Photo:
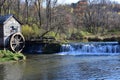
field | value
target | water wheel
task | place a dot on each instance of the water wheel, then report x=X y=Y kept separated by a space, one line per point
x=17 y=42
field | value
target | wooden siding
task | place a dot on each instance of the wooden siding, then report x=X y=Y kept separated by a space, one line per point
x=1 y=36
x=1 y=31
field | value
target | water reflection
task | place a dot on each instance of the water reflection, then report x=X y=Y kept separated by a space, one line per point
x=12 y=71
x=72 y=68
x=52 y=68
x=56 y=67
x=1 y=72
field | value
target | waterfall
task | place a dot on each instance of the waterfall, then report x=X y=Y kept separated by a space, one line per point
x=91 y=48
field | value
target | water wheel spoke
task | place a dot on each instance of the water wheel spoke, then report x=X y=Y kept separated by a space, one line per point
x=13 y=43
x=17 y=48
x=21 y=42
x=14 y=46
x=20 y=39
x=16 y=37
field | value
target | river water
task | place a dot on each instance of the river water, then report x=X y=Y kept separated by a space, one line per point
x=86 y=61
x=62 y=67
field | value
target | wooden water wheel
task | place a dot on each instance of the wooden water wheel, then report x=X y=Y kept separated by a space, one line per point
x=17 y=42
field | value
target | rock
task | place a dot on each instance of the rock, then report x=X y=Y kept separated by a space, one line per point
x=95 y=39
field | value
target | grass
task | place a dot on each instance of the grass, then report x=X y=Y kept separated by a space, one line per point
x=6 y=55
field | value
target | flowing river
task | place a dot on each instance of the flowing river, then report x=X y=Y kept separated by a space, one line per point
x=74 y=62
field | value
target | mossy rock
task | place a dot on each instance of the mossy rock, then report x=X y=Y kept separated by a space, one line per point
x=95 y=39
x=110 y=39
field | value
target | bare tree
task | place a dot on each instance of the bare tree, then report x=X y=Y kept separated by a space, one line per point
x=48 y=12
x=27 y=11
x=96 y=16
x=49 y=24
x=1 y=5
x=18 y=8
x=38 y=5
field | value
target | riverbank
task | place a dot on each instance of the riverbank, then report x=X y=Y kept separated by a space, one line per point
x=8 y=56
x=96 y=38
x=104 y=38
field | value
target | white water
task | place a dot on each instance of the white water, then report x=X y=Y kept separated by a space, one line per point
x=91 y=48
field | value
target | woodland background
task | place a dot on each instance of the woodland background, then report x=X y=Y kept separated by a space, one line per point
x=47 y=18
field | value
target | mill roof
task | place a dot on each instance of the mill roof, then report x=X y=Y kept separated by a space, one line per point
x=6 y=17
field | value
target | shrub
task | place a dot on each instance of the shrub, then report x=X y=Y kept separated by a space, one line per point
x=27 y=31
x=79 y=35
x=6 y=55
x=52 y=34
x=36 y=30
